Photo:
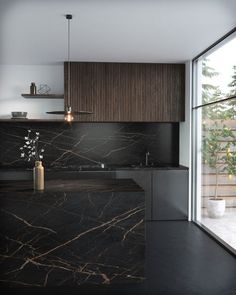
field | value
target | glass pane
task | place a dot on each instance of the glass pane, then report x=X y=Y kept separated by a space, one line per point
x=214 y=152
x=217 y=74
x=218 y=170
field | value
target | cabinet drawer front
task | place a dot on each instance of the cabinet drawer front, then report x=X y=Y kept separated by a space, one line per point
x=170 y=195
x=143 y=179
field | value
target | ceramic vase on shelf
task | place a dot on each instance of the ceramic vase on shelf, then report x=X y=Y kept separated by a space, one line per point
x=32 y=88
x=38 y=176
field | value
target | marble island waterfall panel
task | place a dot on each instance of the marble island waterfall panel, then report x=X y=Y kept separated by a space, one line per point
x=90 y=144
x=69 y=239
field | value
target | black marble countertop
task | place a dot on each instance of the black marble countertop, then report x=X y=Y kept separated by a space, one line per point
x=82 y=172
x=99 y=168
x=75 y=185
x=73 y=233
x=150 y=167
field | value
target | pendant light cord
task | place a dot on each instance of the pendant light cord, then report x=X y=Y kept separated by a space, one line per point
x=68 y=58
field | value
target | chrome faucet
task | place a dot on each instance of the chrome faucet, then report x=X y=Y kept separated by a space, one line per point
x=146 y=158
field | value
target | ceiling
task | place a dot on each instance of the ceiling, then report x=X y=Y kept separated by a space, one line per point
x=35 y=31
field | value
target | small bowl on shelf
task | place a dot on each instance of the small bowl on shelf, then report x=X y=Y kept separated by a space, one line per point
x=19 y=115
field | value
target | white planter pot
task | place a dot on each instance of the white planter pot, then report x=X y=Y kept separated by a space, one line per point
x=216 y=208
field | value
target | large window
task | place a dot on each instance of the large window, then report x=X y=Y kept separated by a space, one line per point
x=214 y=113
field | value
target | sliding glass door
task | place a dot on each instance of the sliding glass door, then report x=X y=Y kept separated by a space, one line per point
x=214 y=144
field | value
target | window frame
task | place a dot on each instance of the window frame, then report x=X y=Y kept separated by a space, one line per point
x=196 y=139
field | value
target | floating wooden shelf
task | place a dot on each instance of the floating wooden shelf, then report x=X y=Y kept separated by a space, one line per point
x=31 y=120
x=56 y=96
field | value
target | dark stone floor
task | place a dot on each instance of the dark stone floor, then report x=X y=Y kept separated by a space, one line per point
x=181 y=260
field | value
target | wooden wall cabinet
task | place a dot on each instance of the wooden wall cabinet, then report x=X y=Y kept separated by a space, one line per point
x=127 y=92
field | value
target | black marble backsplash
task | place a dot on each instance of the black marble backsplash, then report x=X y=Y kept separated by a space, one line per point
x=71 y=146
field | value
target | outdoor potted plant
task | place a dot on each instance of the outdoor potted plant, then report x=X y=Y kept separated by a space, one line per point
x=219 y=153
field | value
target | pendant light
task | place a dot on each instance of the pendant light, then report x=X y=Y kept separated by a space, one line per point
x=69 y=115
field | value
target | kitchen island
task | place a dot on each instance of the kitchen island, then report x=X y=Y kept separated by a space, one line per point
x=74 y=232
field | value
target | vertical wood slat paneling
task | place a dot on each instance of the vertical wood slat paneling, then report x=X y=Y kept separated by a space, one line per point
x=123 y=92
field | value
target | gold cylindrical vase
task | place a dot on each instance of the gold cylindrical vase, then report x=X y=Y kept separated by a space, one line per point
x=38 y=173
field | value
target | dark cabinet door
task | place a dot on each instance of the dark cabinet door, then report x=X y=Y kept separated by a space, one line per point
x=170 y=195
x=143 y=179
x=126 y=92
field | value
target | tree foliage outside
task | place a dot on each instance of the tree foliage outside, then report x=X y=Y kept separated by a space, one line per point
x=232 y=103
x=232 y=84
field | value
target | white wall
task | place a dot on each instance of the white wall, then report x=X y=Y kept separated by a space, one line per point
x=16 y=79
x=35 y=31
x=185 y=130
x=185 y=127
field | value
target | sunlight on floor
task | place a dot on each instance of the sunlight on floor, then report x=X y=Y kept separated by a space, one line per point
x=224 y=227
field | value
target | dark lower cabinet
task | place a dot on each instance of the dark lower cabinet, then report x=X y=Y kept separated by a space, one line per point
x=143 y=179
x=170 y=195
x=166 y=192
